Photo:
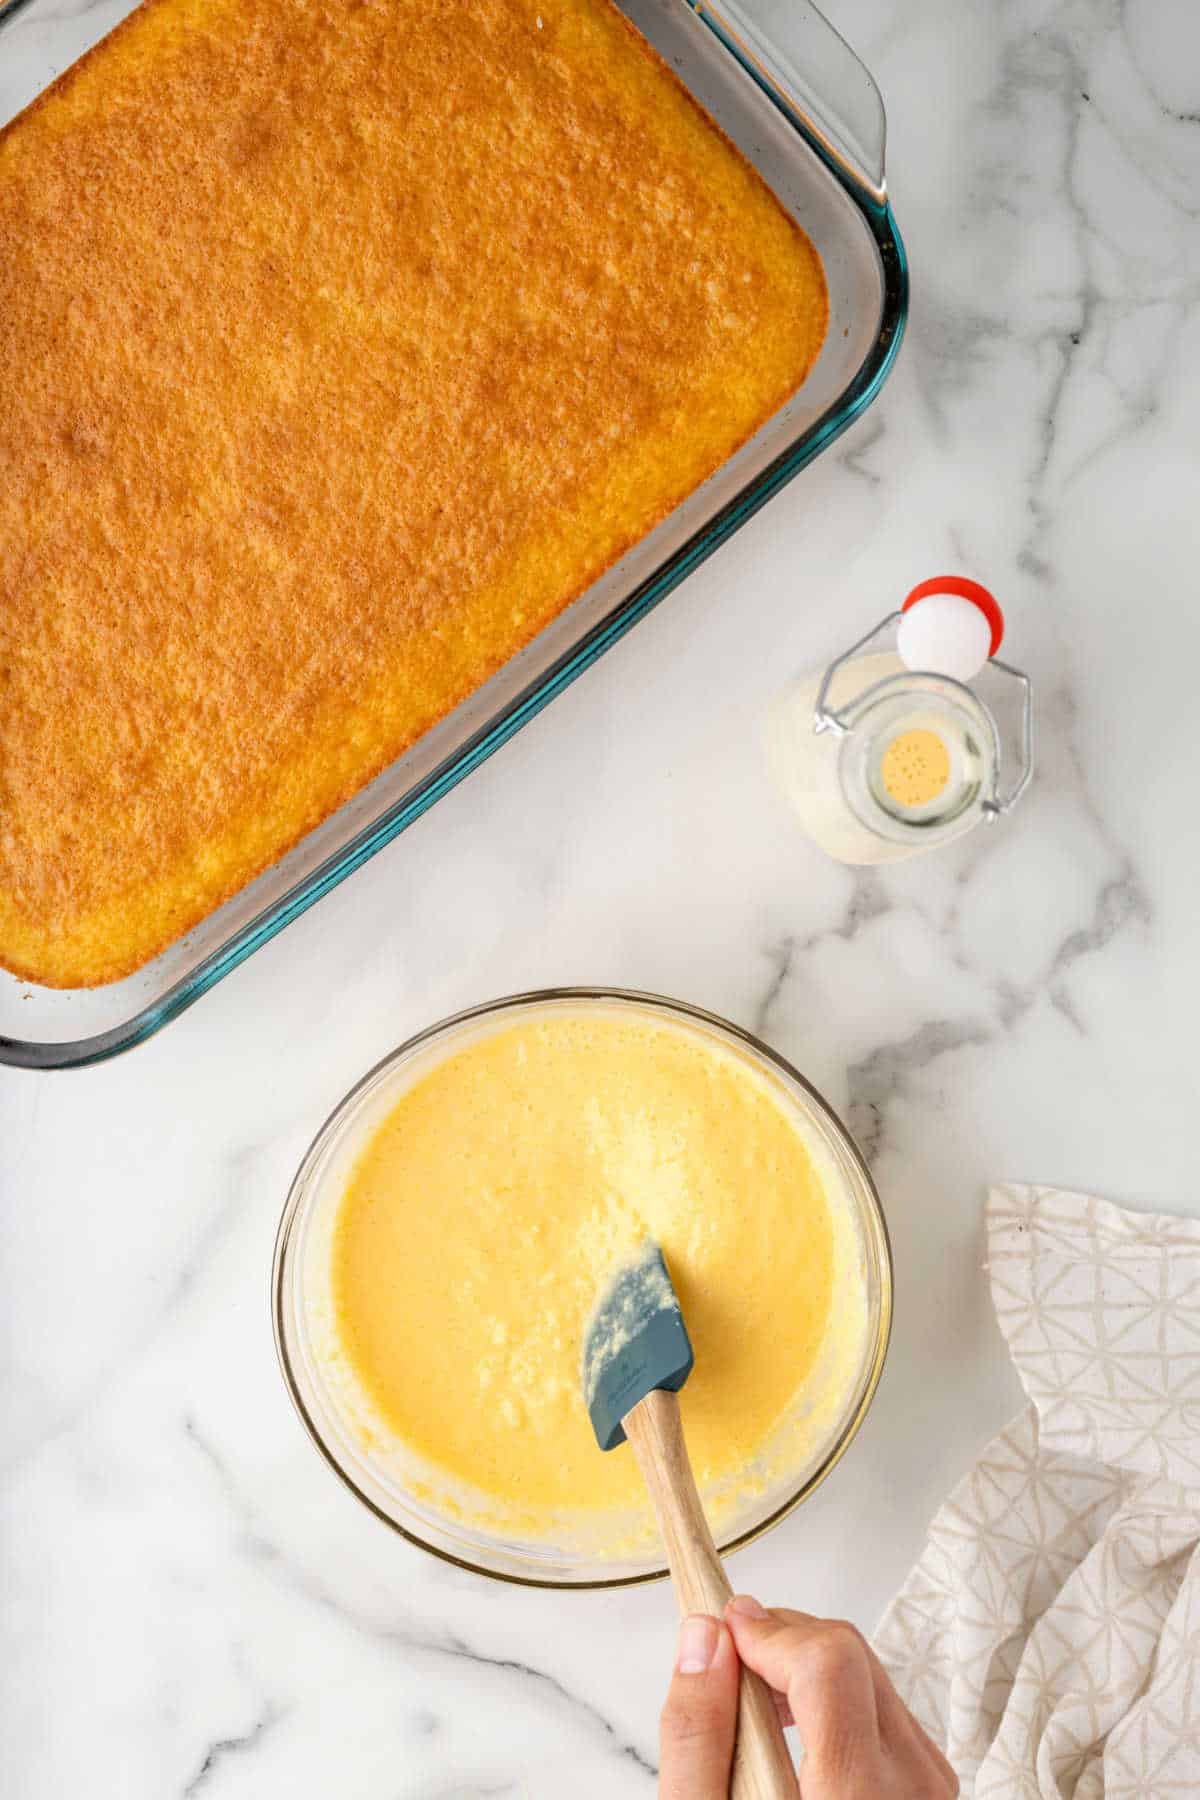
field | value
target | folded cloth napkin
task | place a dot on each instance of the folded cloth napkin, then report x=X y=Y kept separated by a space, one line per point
x=1049 y=1636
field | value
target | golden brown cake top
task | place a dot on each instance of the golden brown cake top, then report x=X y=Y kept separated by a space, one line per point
x=342 y=344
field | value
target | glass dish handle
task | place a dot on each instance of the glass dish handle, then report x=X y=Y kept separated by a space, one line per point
x=813 y=75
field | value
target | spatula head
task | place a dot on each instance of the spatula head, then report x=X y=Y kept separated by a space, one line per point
x=635 y=1341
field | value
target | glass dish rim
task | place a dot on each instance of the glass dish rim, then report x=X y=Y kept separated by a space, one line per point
x=688 y=1011
x=874 y=207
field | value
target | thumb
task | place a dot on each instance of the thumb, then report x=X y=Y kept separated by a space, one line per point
x=699 y=1720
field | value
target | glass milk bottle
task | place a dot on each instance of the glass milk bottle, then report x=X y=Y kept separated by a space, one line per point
x=889 y=751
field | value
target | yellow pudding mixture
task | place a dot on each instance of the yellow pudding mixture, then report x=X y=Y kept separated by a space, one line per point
x=915 y=767
x=485 y=1213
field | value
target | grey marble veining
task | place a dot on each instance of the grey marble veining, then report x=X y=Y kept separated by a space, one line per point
x=191 y=1603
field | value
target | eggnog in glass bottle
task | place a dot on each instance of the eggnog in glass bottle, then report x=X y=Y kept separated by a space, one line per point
x=889 y=751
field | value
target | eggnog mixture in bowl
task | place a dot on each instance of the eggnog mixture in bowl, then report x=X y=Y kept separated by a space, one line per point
x=453 y=1225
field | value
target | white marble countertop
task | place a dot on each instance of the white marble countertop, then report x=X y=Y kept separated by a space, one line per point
x=192 y=1604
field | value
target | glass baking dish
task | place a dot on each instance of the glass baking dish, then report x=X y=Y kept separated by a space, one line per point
x=812 y=123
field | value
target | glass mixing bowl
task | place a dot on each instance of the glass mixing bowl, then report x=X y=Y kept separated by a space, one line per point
x=304 y=1232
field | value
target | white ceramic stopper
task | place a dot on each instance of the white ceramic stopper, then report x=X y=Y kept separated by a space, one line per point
x=944 y=635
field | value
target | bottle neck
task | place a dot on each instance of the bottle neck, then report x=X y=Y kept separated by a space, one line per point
x=918 y=759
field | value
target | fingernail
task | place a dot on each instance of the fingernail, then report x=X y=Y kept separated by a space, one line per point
x=748 y=1606
x=697 y=1644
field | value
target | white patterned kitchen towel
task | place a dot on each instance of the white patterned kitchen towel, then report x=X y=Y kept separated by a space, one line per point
x=1050 y=1634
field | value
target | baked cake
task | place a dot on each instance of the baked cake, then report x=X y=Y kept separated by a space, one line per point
x=342 y=344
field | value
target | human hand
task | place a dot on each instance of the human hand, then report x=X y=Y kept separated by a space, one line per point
x=860 y=1740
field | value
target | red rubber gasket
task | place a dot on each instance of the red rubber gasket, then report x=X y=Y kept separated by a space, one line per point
x=965 y=589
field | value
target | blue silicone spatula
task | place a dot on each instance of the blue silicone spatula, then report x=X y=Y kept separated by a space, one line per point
x=636 y=1357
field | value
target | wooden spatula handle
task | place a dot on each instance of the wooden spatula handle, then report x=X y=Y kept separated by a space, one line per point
x=762 y=1765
